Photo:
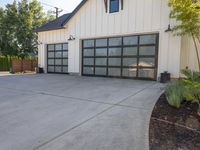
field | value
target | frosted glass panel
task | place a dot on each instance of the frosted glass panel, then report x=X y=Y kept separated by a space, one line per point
x=88 y=70
x=88 y=43
x=101 y=61
x=115 y=41
x=114 y=62
x=133 y=40
x=130 y=51
x=115 y=51
x=129 y=72
x=100 y=71
x=88 y=52
x=101 y=42
x=148 y=39
x=114 y=71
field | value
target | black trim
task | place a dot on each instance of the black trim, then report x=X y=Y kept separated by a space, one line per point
x=62 y=58
x=122 y=57
x=106 y=5
x=122 y=4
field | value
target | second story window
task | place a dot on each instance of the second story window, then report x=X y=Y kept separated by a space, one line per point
x=114 y=6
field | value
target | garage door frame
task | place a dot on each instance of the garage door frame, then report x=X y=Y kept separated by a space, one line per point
x=138 y=56
x=62 y=58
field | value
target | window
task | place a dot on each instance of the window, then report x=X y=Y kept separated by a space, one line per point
x=114 y=6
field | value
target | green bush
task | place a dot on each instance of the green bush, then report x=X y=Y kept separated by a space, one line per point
x=191 y=75
x=4 y=63
x=174 y=94
x=187 y=89
x=191 y=86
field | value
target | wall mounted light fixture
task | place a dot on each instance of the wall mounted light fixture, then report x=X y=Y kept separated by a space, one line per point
x=169 y=28
x=71 y=38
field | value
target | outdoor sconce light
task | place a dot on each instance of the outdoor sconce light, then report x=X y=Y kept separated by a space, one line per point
x=71 y=38
x=169 y=28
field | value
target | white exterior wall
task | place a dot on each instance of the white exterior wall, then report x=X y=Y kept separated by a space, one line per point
x=188 y=54
x=137 y=17
x=49 y=37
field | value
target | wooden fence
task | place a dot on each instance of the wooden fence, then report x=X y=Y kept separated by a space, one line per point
x=23 y=65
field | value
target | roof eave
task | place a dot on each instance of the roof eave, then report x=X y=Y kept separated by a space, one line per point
x=44 y=30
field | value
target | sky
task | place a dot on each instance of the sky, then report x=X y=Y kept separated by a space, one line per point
x=66 y=5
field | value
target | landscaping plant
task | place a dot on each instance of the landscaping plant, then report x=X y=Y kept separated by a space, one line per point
x=191 y=75
x=191 y=86
x=174 y=94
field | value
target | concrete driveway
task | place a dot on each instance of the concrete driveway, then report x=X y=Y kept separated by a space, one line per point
x=61 y=112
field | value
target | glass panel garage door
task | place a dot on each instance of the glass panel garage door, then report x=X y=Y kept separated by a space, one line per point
x=57 y=58
x=126 y=57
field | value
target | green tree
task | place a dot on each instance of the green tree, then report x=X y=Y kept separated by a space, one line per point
x=9 y=44
x=187 y=13
x=31 y=16
x=1 y=29
x=24 y=33
x=50 y=16
x=38 y=19
x=17 y=24
x=37 y=14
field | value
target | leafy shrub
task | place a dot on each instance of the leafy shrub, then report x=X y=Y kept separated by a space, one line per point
x=191 y=75
x=174 y=94
x=187 y=89
x=4 y=63
x=191 y=86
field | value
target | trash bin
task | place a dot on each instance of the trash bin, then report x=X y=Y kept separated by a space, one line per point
x=40 y=70
x=165 y=77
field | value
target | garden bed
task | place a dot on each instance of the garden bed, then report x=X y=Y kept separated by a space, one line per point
x=174 y=129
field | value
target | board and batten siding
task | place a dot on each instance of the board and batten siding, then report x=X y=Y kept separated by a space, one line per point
x=49 y=37
x=188 y=54
x=137 y=17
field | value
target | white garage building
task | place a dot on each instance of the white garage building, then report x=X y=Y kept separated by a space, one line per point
x=114 y=38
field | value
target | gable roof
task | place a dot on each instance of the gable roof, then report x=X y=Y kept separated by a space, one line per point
x=75 y=11
x=61 y=21
x=53 y=25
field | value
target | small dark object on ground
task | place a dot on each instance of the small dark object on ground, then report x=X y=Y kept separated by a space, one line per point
x=40 y=70
x=174 y=129
x=165 y=77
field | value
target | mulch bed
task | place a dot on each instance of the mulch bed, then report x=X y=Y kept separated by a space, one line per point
x=174 y=129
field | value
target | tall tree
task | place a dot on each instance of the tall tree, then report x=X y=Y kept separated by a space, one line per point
x=38 y=18
x=24 y=33
x=50 y=16
x=37 y=14
x=9 y=44
x=17 y=24
x=31 y=16
x=187 y=13
x=1 y=29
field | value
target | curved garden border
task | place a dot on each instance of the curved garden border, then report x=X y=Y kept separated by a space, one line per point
x=174 y=129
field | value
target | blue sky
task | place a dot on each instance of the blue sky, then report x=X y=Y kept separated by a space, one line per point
x=67 y=5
